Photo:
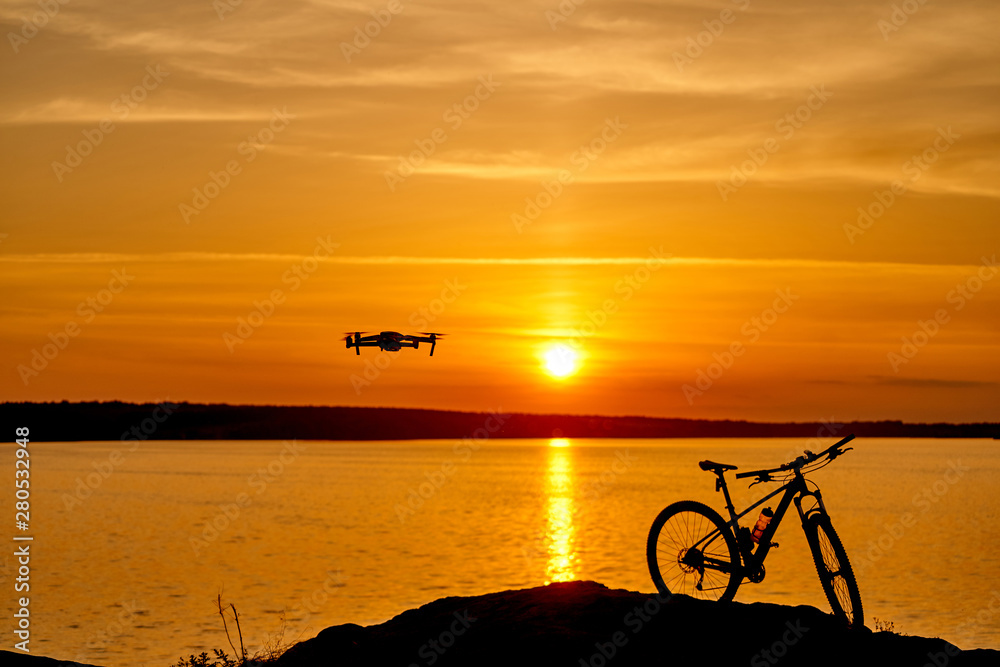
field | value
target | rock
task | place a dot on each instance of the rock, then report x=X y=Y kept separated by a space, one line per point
x=583 y=623
x=18 y=659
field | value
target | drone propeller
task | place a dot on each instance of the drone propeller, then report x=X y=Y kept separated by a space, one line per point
x=354 y=341
x=434 y=337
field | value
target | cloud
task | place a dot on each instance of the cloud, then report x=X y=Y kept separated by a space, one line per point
x=376 y=260
x=932 y=383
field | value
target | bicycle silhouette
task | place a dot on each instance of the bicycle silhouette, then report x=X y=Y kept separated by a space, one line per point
x=692 y=550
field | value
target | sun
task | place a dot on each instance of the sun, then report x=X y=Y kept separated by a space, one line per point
x=561 y=361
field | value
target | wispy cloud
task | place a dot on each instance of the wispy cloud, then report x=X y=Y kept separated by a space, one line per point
x=933 y=383
x=376 y=260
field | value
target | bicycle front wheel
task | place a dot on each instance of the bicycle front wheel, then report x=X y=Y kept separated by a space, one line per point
x=835 y=572
x=691 y=550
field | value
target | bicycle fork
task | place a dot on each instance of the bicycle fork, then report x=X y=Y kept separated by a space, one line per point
x=819 y=507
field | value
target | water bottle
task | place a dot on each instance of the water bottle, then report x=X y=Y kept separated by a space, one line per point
x=765 y=518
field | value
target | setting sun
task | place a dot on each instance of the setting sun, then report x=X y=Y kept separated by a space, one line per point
x=560 y=361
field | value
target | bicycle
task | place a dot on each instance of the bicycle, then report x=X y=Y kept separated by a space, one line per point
x=694 y=550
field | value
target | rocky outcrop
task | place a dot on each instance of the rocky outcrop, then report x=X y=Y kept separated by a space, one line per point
x=585 y=624
x=582 y=623
x=18 y=659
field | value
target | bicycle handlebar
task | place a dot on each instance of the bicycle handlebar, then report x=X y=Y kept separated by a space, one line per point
x=833 y=451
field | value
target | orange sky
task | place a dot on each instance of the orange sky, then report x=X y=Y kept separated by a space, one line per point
x=640 y=182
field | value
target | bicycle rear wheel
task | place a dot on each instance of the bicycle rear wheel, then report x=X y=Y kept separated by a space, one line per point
x=691 y=550
x=835 y=572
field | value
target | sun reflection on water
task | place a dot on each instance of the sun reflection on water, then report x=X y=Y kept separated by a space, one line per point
x=561 y=534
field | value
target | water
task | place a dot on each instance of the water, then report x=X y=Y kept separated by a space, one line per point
x=323 y=533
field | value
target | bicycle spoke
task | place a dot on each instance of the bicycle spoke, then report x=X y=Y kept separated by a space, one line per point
x=690 y=552
x=674 y=540
x=832 y=575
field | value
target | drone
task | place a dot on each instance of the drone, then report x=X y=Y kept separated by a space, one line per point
x=390 y=341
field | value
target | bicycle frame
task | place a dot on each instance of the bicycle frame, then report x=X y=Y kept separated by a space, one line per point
x=794 y=490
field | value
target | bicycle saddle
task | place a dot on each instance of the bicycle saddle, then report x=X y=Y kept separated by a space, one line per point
x=715 y=467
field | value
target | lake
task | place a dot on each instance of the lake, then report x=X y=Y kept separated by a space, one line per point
x=132 y=546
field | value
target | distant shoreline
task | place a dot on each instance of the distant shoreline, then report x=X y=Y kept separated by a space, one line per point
x=87 y=421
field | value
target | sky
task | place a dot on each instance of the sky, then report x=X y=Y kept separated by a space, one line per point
x=749 y=210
